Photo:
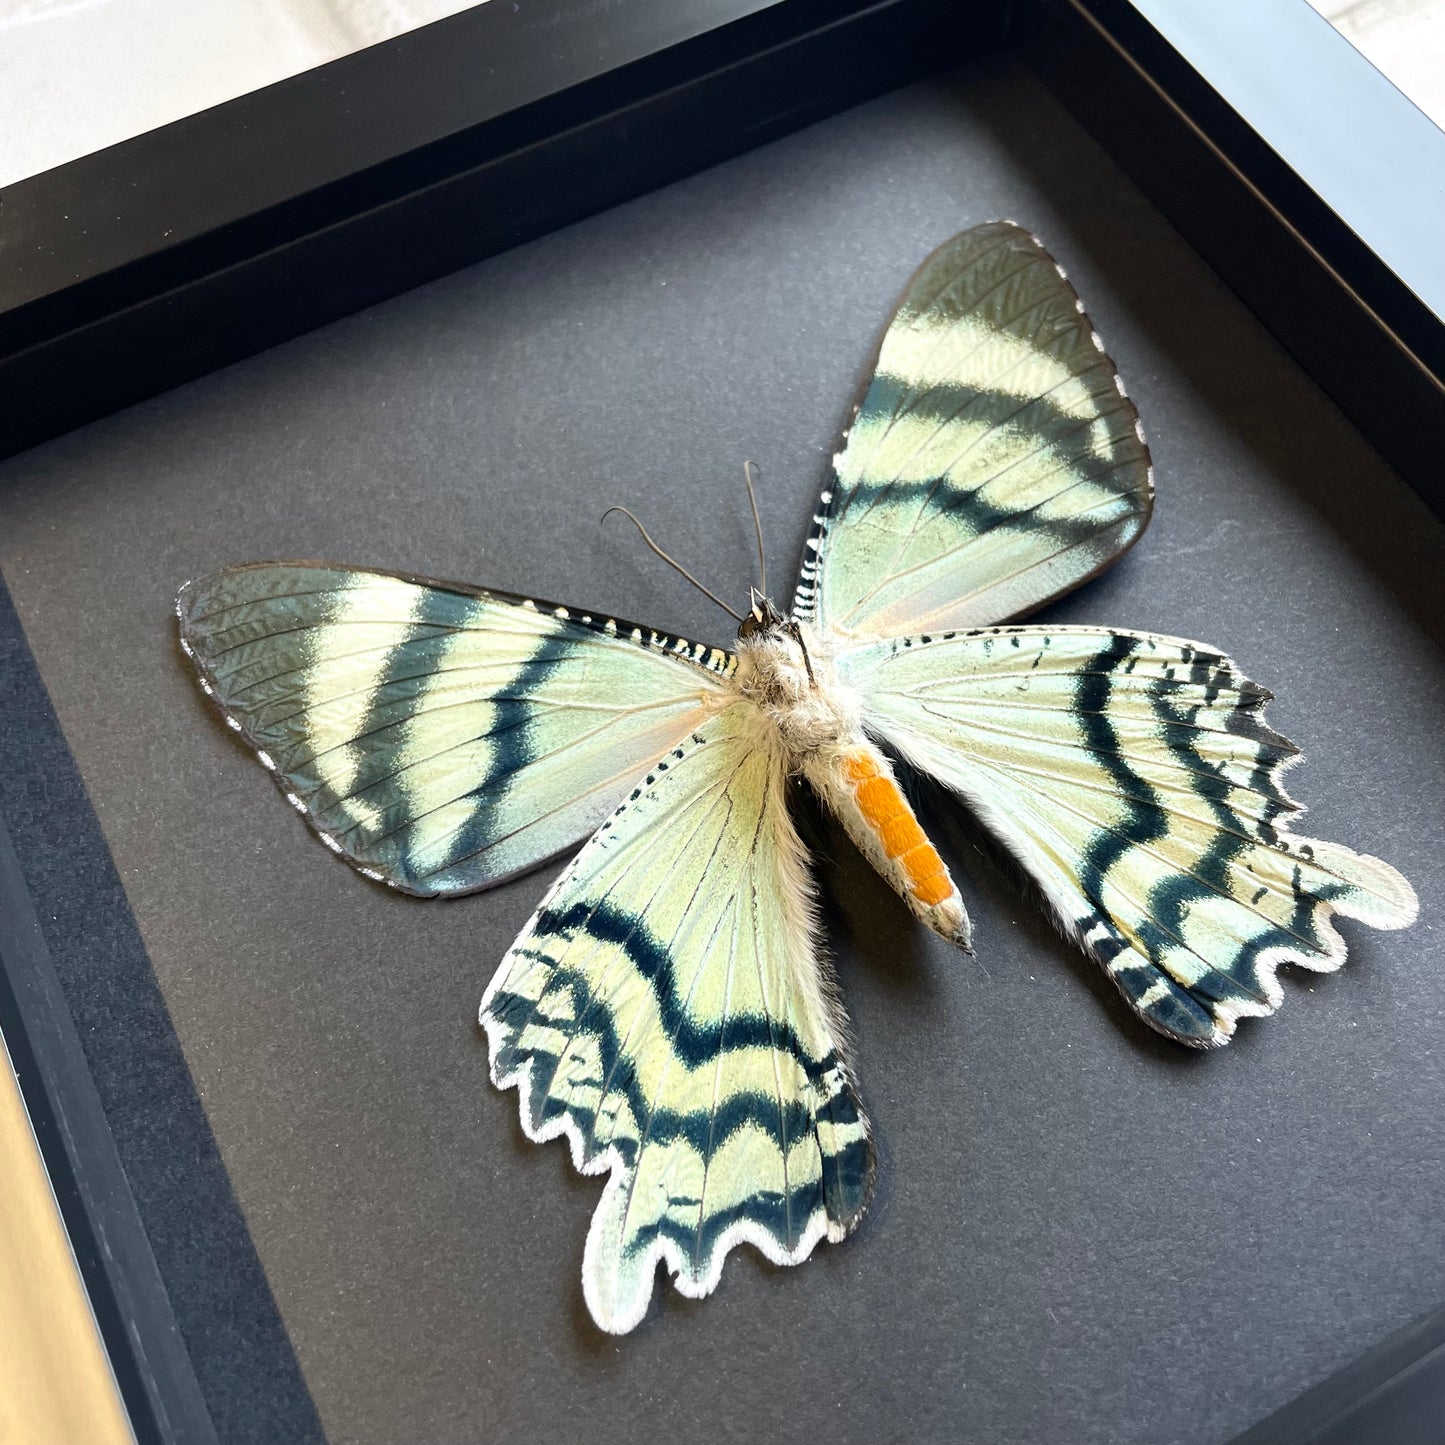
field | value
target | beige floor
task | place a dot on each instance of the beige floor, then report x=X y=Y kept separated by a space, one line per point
x=79 y=75
x=55 y=1382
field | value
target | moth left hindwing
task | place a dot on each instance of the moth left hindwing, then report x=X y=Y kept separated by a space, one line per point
x=666 y=1011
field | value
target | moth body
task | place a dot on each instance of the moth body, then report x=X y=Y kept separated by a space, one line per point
x=806 y=713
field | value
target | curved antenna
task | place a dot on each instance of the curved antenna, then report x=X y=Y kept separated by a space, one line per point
x=748 y=469
x=673 y=562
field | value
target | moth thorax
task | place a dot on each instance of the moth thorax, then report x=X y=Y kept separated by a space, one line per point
x=795 y=690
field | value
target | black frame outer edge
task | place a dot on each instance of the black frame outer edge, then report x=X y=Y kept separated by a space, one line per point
x=1289 y=256
x=285 y=236
x=164 y=257
x=148 y=1357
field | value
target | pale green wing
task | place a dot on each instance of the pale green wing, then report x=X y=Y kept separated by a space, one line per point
x=667 y=1012
x=439 y=737
x=994 y=461
x=1135 y=780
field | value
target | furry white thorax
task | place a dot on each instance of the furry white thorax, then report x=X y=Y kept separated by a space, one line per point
x=800 y=695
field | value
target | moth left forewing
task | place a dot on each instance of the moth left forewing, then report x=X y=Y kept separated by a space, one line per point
x=666 y=1011
x=438 y=737
x=1134 y=778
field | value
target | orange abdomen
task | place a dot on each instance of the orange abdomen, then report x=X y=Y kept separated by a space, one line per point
x=887 y=813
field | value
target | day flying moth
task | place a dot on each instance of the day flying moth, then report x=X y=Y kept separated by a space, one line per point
x=667 y=1009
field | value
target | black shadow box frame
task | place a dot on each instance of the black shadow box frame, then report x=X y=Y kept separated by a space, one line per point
x=280 y=211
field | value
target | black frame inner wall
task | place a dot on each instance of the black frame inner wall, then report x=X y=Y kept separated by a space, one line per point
x=91 y=1041
x=1365 y=331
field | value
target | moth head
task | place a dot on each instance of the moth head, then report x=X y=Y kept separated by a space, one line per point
x=766 y=632
x=763 y=618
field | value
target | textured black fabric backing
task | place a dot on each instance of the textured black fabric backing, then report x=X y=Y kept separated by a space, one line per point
x=1081 y=1231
